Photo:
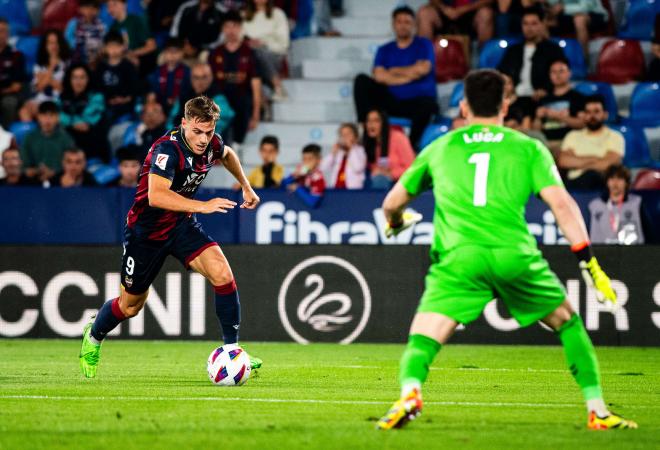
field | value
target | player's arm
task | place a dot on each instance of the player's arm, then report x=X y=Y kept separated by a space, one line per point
x=233 y=165
x=160 y=196
x=570 y=221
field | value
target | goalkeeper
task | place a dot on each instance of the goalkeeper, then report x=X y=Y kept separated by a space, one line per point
x=481 y=176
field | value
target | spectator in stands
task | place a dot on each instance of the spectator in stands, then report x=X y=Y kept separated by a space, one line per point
x=197 y=22
x=135 y=29
x=560 y=110
x=81 y=111
x=234 y=65
x=129 y=166
x=202 y=84
x=48 y=72
x=12 y=77
x=85 y=34
x=43 y=147
x=507 y=19
x=12 y=167
x=307 y=181
x=7 y=141
x=171 y=80
x=616 y=216
x=528 y=63
x=461 y=17
x=150 y=128
x=388 y=149
x=117 y=79
x=267 y=31
x=323 y=18
x=579 y=16
x=404 y=81
x=346 y=165
x=521 y=109
x=161 y=16
x=653 y=72
x=74 y=171
x=231 y=5
x=270 y=173
x=588 y=152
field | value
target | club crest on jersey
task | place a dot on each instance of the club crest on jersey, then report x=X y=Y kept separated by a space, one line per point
x=483 y=137
x=161 y=161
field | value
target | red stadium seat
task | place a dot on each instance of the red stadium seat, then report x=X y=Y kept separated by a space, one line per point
x=647 y=179
x=450 y=62
x=620 y=61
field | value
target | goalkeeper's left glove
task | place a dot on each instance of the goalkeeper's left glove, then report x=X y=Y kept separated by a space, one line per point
x=408 y=219
x=593 y=275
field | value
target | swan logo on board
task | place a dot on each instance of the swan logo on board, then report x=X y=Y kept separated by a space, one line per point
x=324 y=299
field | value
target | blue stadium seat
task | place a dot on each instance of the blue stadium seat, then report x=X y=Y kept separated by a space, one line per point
x=434 y=131
x=644 y=105
x=456 y=95
x=16 y=13
x=20 y=129
x=638 y=21
x=637 y=152
x=605 y=90
x=130 y=134
x=493 y=51
x=402 y=122
x=573 y=52
x=29 y=46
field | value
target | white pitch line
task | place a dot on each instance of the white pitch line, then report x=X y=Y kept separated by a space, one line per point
x=282 y=400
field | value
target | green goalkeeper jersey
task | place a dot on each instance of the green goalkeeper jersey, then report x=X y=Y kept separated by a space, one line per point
x=482 y=177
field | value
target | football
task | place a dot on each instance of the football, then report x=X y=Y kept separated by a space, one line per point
x=229 y=365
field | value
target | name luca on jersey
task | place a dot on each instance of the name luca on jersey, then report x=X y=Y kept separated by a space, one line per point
x=483 y=137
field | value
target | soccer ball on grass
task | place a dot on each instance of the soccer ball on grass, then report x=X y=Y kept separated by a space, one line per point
x=229 y=365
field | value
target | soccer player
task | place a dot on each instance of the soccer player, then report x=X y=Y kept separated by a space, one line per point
x=161 y=222
x=482 y=176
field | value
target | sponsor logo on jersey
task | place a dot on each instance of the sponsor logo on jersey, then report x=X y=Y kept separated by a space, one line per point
x=324 y=298
x=161 y=161
x=192 y=182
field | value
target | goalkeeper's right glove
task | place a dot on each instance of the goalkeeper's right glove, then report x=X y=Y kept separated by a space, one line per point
x=408 y=219
x=593 y=275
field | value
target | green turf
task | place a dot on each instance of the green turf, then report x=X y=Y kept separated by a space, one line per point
x=157 y=395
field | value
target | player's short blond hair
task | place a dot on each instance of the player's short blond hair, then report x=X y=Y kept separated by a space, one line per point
x=202 y=108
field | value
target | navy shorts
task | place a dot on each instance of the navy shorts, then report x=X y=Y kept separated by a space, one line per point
x=143 y=258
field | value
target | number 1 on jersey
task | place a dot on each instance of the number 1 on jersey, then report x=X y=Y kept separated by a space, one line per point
x=481 y=160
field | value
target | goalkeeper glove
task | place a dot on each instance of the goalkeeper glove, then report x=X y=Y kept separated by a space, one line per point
x=408 y=219
x=593 y=275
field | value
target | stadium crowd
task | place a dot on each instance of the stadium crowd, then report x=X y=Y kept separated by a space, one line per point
x=108 y=78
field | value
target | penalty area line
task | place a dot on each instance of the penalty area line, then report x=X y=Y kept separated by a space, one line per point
x=282 y=400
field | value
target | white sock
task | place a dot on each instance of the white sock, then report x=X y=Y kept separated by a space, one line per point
x=408 y=386
x=93 y=340
x=598 y=405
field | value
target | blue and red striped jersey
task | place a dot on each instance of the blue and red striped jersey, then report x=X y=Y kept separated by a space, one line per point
x=171 y=158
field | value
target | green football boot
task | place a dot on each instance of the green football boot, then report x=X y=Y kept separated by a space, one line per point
x=89 y=354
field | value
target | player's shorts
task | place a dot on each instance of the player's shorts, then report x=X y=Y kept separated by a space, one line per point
x=143 y=258
x=468 y=277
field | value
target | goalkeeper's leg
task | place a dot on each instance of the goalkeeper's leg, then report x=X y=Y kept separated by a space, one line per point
x=583 y=364
x=427 y=334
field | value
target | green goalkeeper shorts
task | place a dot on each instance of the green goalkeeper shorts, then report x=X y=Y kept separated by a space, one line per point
x=468 y=277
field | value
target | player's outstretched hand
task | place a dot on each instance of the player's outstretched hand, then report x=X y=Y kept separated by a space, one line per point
x=221 y=205
x=596 y=278
x=250 y=198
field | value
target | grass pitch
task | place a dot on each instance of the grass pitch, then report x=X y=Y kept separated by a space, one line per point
x=157 y=395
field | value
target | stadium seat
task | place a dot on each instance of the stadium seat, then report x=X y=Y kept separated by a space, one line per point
x=434 y=131
x=620 y=61
x=637 y=152
x=493 y=51
x=573 y=52
x=647 y=179
x=645 y=105
x=57 y=13
x=18 y=18
x=606 y=91
x=638 y=20
x=130 y=134
x=450 y=63
x=29 y=46
x=456 y=95
x=20 y=129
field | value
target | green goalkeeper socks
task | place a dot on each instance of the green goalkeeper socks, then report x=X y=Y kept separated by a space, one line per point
x=417 y=358
x=581 y=357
